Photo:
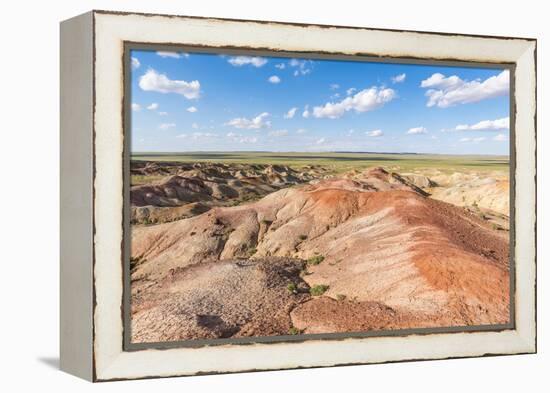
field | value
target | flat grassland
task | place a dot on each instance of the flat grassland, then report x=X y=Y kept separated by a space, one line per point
x=340 y=162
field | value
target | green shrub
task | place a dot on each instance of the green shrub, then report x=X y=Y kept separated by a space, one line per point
x=292 y=287
x=294 y=331
x=340 y=297
x=318 y=290
x=251 y=251
x=317 y=259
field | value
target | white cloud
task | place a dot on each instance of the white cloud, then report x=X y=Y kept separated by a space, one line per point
x=195 y=126
x=301 y=131
x=374 y=133
x=181 y=136
x=135 y=63
x=399 y=78
x=475 y=140
x=279 y=133
x=136 y=107
x=274 y=79
x=165 y=126
x=163 y=113
x=321 y=141
x=239 y=61
x=417 y=130
x=334 y=86
x=306 y=112
x=351 y=132
x=445 y=92
x=364 y=101
x=241 y=139
x=351 y=90
x=153 y=81
x=500 y=138
x=301 y=66
x=280 y=66
x=192 y=109
x=290 y=114
x=250 y=124
x=153 y=106
x=486 y=125
x=198 y=135
x=174 y=55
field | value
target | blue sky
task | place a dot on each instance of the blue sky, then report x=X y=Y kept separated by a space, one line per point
x=209 y=102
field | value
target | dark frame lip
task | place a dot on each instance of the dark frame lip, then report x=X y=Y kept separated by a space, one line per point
x=129 y=346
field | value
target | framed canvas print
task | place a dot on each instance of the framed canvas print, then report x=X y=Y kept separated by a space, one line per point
x=246 y=195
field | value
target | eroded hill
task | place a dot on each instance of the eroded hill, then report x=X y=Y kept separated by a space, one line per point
x=351 y=253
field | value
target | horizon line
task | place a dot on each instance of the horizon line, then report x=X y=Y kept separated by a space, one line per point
x=309 y=152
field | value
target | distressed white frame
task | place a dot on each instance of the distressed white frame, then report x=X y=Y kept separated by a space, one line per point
x=112 y=30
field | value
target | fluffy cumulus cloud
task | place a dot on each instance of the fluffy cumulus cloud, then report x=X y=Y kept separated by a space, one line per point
x=363 y=101
x=474 y=140
x=136 y=107
x=154 y=106
x=173 y=55
x=302 y=67
x=160 y=83
x=399 y=78
x=320 y=141
x=239 y=138
x=135 y=63
x=417 y=130
x=306 y=112
x=200 y=135
x=351 y=90
x=291 y=112
x=239 y=61
x=192 y=109
x=274 y=79
x=255 y=123
x=279 y=133
x=374 y=133
x=280 y=66
x=165 y=126
x=445 y=92
x=486 y=125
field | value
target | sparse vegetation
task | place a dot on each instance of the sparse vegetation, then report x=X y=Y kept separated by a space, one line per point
x=292 y=287
x=302 y=237
x=495 y=227
x=318 y=290
x=317 y=259
x=251 y=251
x=340 y=297
x=293 y=331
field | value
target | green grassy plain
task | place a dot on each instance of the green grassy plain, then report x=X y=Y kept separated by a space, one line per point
x=341 y=162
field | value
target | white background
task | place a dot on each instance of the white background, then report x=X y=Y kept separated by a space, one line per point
x=29 y=196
